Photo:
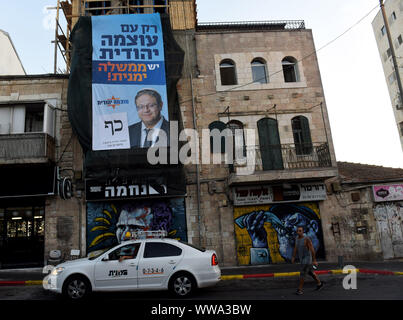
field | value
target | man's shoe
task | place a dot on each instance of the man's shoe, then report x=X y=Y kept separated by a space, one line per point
x=320 y=286
x=299 y=292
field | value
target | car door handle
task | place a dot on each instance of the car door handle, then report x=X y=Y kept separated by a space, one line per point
x=172 y=261
x=132 y=264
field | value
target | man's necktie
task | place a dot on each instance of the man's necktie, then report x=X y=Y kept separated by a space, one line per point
x=147 y=143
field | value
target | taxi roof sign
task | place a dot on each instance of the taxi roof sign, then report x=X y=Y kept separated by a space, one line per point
x=146 y=234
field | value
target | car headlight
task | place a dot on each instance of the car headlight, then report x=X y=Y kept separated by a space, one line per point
x=57 y=271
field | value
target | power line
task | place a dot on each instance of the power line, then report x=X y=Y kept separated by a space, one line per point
x=307 y=56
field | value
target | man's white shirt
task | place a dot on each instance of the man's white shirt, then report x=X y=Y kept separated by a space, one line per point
x=154 y=132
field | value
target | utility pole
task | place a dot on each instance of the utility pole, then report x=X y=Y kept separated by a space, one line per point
x=392 y=50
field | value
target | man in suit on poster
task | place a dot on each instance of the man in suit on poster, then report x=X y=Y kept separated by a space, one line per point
x=146 y=133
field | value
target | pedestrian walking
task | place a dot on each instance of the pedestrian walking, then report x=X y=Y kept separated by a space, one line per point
x=307 y=259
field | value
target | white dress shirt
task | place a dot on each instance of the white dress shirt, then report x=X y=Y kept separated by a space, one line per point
x=154 y=132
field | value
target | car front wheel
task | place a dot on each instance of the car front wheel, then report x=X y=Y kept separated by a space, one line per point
x=76 y=288
x=182 y=285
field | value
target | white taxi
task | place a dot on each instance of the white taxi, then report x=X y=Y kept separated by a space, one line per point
x=144 y=264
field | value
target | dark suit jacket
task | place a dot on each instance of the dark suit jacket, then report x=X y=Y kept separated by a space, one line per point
x=135 y=133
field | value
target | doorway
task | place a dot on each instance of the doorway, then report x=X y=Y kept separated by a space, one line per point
x=389 y=220
x=22 y=236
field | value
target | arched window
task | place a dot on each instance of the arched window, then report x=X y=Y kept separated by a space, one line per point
x=302 y=135
x=270 y=147
x=220 y=126
x=259 y=72
x=290 y=69
x=239 y=147
x=228 y=72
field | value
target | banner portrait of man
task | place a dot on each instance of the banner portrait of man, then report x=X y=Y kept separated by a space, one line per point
x=152 y=125
x=129 y=93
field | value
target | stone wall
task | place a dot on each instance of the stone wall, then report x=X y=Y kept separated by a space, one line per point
x=349 y=225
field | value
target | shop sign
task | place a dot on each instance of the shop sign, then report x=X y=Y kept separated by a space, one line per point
x=384 y=193
x=128 y=189
x=264 y=194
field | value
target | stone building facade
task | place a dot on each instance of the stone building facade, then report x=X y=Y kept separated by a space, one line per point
x=261 y=78
x=38 y=150
x=394 y=14
x=212 y=214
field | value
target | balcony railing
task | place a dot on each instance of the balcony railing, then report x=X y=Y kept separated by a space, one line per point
x=284 y=157
x=252 y=25
x=26 y=147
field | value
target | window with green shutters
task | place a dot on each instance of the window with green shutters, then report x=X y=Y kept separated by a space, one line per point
x=270 y=146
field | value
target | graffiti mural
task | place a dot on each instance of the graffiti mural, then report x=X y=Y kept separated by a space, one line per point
x=108 y=222
x=266 y=233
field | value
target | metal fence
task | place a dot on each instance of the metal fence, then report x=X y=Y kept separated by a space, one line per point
x=253 y=25
x=287 y=157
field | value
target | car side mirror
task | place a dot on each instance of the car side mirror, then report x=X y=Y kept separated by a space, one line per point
x=106 y=258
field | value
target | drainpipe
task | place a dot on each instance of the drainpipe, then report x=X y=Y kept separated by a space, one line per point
x=324 y=123
x=195 y=128
x=187 y=59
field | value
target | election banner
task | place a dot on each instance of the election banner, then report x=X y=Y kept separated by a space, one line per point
x=129 y=95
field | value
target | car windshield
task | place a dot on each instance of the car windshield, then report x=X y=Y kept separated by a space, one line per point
x=193 y=246
x=97 y=254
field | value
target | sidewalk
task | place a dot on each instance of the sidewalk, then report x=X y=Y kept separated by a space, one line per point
x=26 y=274
x=285 y=270
x=392 y=265
x=33 y=276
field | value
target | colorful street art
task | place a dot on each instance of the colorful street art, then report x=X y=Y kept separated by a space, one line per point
x=266 y=233
x=108 y=222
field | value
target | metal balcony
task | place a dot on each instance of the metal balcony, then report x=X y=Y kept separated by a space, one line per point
x=26 y=148
x=283 y=162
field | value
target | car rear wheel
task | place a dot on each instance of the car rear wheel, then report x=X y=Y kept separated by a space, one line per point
x=76 y=288
x=182 y=285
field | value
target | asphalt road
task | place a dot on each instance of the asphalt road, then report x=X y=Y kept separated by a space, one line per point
x=369 y=287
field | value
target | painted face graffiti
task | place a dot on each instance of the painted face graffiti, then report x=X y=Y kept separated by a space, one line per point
x=129 y=221
x=272 y=231
x=108 y=224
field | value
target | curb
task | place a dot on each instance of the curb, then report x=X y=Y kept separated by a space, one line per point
x=21 y=283
x=241 y=276
x=294 y=274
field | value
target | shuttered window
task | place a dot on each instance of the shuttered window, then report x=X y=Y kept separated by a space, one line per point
x=270 y=147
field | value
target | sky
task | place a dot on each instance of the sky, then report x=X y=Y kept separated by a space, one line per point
x=360 y=112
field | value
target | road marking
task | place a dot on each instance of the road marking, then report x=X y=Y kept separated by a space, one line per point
x=34 y=282
x=232 y=277
x=286 y=274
